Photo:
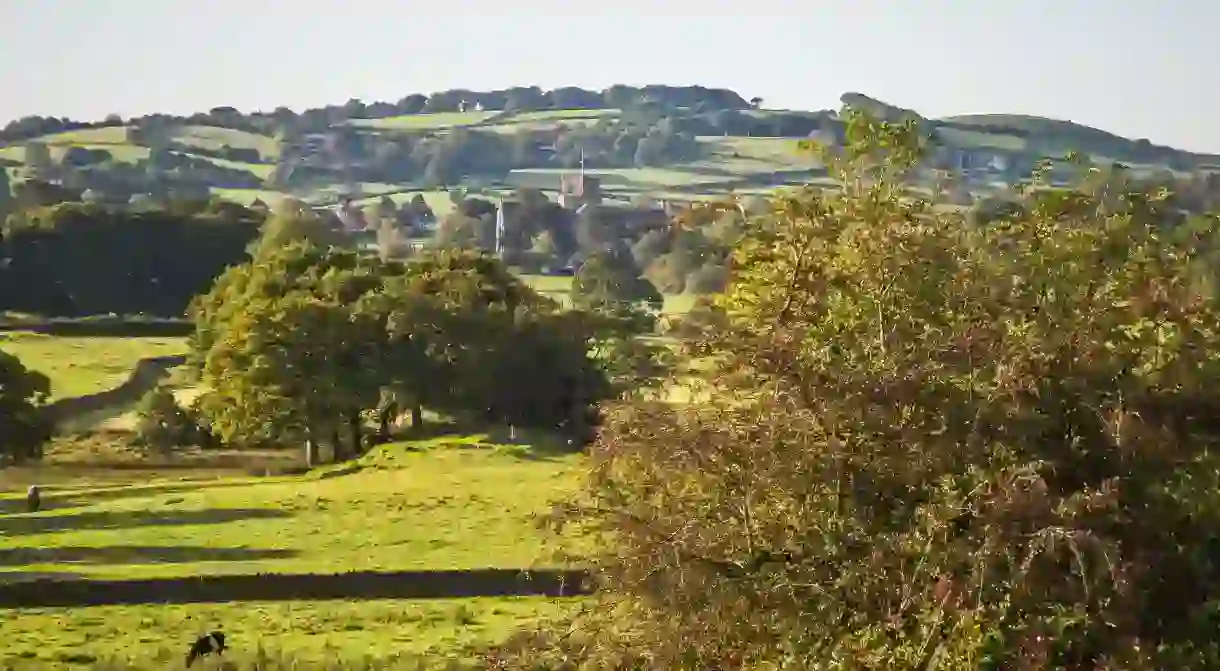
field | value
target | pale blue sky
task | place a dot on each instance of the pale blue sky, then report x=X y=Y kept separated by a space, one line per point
x=1141 y=68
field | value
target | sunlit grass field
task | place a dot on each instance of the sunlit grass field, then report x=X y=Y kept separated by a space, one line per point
x=449 y=503
x=85 y=365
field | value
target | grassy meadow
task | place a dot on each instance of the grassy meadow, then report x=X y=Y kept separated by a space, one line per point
x=113 y=511
x=445 y=503
x=213 y=138
x=437 y=121
x=86 y=365
x=449 y=503
x=343 y=633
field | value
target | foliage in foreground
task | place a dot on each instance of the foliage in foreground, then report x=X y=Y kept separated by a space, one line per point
x=930 y=445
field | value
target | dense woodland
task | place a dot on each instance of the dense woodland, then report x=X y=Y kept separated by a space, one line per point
x=77 y=260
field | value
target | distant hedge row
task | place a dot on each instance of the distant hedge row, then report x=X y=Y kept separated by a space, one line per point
x=102 y=327
x=144 y=376
x=74 y=260
x=49 y=593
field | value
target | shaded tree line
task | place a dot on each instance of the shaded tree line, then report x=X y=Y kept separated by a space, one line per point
x=74 y=259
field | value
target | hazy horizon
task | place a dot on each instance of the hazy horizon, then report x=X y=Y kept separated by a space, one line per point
x=1135 y=68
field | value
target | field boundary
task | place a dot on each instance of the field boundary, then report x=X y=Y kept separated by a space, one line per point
x=455 y=584
x=104 y=328
x=144 y=375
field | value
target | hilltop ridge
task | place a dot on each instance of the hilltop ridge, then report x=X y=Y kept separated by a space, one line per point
x=650 y=141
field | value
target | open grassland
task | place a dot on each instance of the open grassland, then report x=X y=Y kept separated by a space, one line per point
x=343 y=633
x=87 y=136
x=213 y=138
x=260 y=170
x=972 y=138
x=448 y=503
x=85 y=365
x=551 y=119
x=437 y=199
x=248 y=196
x=438 y=121
x=104 y=459
x=776 y=152
x=564 y=115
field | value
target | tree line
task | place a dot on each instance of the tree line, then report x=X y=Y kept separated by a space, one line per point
x=521 y=98
x=76 y=260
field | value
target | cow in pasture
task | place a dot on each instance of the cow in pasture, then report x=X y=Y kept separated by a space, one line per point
x=206 y=645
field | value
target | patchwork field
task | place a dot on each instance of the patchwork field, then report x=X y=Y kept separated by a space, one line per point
x=436 y=121
x=728 y=160
x=212 y=137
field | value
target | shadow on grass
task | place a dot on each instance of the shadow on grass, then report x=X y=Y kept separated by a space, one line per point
x=49 y=593
x=25 y=525
x=532 y=445
x=10 y=577
x=136 y=554
x=76 y=497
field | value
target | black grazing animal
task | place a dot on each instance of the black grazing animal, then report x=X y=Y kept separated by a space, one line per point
x=206 y=645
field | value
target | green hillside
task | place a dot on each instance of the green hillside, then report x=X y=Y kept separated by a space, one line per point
x=661 y=142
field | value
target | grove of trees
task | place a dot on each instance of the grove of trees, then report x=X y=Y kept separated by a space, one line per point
x=306 y=344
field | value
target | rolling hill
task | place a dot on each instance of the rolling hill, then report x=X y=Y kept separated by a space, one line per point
x=660 y=142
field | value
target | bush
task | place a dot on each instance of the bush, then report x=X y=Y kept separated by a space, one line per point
x=162 y=424
x=929 y=446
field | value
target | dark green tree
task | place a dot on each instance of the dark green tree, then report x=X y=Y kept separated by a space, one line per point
x=610 y=280
x=162 y=424
x=24 y=427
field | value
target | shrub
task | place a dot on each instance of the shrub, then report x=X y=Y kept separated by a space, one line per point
x=930 y=446
x=162 y=425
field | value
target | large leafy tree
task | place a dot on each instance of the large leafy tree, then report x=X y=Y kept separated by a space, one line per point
x=610 y=280
x=284 y=348
x=24 y=427
x=929 y=446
